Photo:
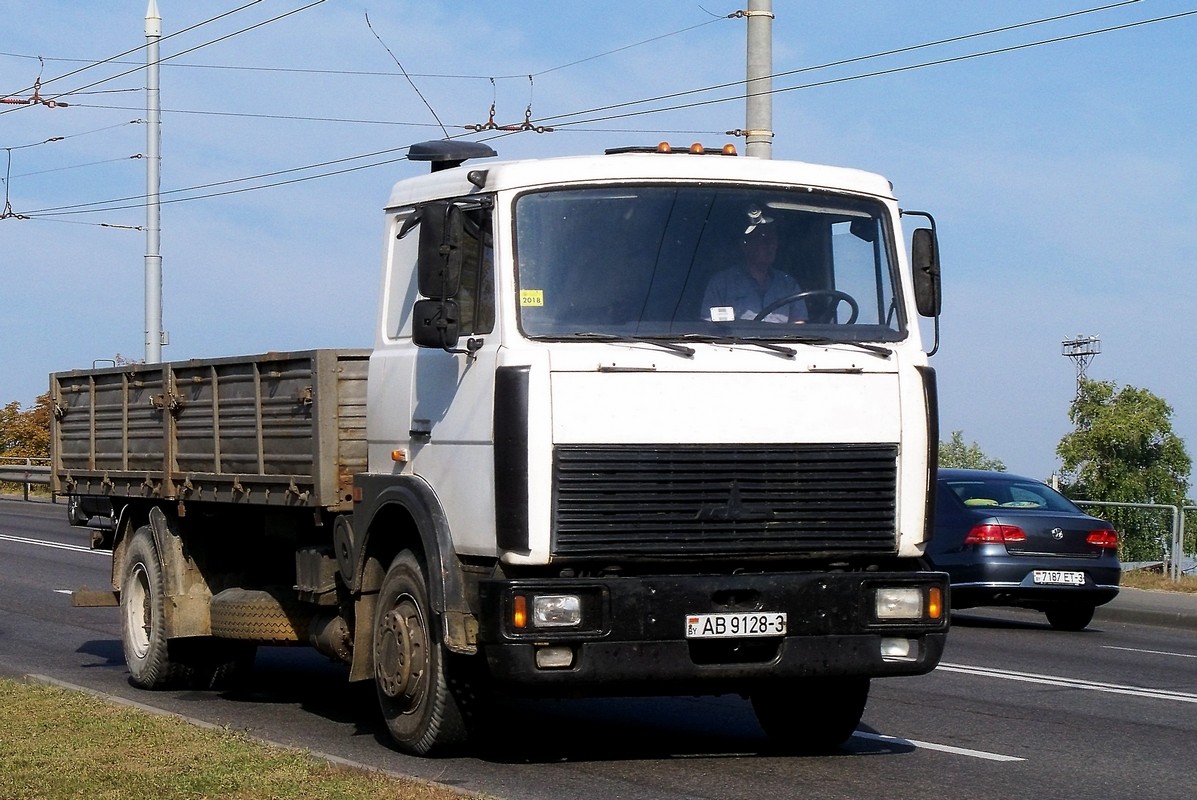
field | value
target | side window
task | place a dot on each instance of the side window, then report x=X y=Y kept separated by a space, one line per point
x=476 y=299
x=401 y=274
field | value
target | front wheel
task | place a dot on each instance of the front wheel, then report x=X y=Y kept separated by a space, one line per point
x=410 y=672
x=811 y=715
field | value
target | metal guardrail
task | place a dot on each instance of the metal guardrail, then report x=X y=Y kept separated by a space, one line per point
x=25 y=471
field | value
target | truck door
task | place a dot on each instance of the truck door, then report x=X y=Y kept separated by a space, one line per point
x=434 y=405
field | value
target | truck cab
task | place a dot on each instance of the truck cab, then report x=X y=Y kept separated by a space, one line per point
x=646 y=468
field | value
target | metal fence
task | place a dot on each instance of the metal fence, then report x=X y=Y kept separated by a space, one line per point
x=1153 y=534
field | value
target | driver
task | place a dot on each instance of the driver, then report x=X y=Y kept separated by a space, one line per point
x=743 y=291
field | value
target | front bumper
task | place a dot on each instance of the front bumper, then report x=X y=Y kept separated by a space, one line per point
x=631 y=639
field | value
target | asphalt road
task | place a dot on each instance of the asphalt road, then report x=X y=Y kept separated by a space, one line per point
x=1015 y=709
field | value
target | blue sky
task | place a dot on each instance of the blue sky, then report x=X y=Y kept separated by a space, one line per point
x=1059 y=174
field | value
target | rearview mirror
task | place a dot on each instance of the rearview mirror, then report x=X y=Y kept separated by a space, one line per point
x=924 y=255
x=441 y=233
x=435 y=324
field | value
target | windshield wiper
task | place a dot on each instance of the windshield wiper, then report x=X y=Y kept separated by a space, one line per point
x=611 y=337
x=884 y=352
x=780 y=349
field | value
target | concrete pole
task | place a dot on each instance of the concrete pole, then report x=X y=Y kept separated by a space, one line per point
x=758 y=99
x=153 y=166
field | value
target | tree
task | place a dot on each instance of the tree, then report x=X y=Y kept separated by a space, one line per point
x=1123 y=450
x=26 y=434
x=955 y=453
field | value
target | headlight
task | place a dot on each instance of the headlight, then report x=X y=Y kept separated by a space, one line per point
x=899 y=602
x=556 y=611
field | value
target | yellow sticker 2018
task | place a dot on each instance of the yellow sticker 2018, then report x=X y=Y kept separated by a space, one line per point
x=532 y=297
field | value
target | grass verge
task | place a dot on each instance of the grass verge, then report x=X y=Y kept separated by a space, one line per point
x=56 y=743
x=1147 y=579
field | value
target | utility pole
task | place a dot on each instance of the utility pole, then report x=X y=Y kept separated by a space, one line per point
x=153 y=165
x=758 y=89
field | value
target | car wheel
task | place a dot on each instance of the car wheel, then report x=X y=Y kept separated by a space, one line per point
x=75 y=514
x=1069 y=617
x=811 y=715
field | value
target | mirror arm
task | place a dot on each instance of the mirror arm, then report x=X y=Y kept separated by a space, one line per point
x=473 y=345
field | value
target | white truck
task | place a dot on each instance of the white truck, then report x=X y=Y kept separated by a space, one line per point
x=563 y=469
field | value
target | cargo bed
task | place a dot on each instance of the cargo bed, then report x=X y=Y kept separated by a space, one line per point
x=278 y=429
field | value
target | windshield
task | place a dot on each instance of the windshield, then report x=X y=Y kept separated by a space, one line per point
x=698 y=261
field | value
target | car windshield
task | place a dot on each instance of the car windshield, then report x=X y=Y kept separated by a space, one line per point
x=702 y=262
x=1006 y=493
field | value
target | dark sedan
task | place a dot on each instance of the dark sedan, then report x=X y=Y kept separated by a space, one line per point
x=1007 y=540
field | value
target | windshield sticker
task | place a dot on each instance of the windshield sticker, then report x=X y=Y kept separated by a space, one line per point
x=532 y=298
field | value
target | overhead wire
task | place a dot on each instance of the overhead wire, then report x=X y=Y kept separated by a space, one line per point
x=855 y=59
x=135 y=156
x=388 y=74
x=632 y=103
x=101 y=62
x=202 y=45
x=1053 y=40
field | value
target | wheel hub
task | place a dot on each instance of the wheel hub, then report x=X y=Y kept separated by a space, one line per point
x=399 y=658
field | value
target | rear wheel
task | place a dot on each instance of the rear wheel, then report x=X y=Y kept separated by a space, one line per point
x=143 y=626
x=75 y=514
x=410 y=665
x=156 y=662
x=214 y=663
x=1071 y=617
x=811 y=715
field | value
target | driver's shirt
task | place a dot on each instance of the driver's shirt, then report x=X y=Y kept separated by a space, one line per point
x=735 y=294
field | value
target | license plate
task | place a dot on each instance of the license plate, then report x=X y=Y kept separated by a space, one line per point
x=1053 y=576
x=735 y=626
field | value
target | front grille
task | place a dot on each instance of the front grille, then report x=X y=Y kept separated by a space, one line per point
x=724 y=499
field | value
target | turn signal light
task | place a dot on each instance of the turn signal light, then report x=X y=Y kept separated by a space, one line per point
x=519 y=612
x=993 y=533
x=1106 y=540
x=934 y=603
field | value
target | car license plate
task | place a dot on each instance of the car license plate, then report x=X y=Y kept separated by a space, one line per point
x=729 y=626
x=1053 y=576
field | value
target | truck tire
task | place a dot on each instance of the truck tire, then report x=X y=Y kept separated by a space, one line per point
x=815 y=715
x=410 y=674
x=143 y=626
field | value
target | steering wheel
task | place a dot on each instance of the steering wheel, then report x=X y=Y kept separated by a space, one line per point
x=834 y=294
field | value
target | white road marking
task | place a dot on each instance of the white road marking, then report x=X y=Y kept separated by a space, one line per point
x=1149 y=652
x=1073 y=683
x=943 y=748
x=56 y=545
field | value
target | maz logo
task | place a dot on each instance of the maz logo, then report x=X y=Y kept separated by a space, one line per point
x=735 y=509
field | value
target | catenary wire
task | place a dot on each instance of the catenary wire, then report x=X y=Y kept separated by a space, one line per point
x=81 y=207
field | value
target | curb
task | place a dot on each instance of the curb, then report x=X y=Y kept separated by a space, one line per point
x=1151 y=607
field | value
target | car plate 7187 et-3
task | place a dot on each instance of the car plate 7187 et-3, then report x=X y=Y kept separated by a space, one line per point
x=1054 y=576
x=735 y=626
